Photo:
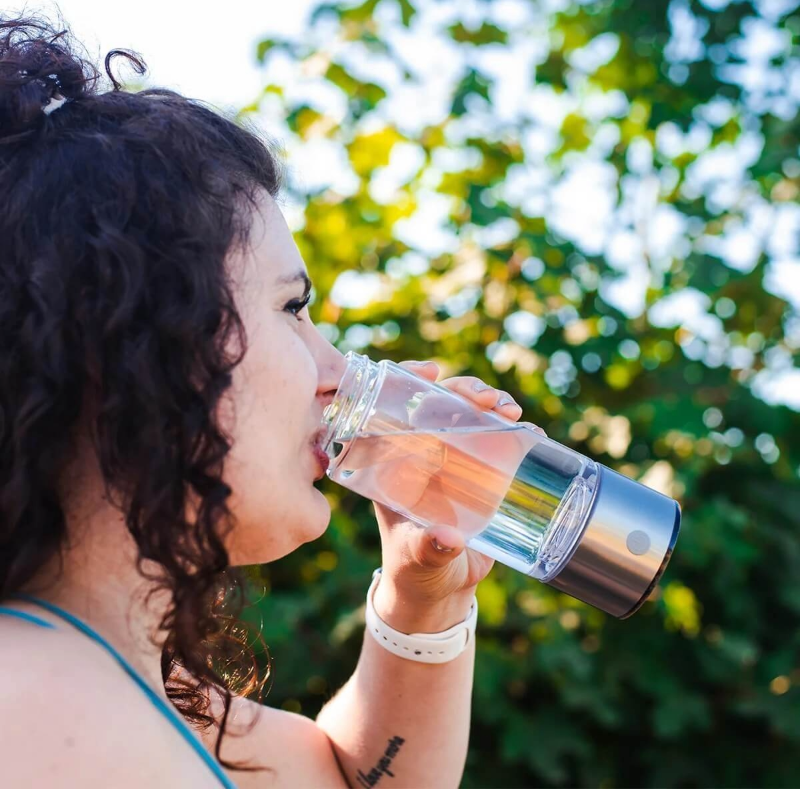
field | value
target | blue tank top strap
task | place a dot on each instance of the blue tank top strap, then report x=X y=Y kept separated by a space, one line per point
x=171 y=713
x=15 y=612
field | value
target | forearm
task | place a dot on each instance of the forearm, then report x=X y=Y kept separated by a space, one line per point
x=398 y=723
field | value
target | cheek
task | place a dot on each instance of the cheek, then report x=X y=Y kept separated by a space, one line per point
x=275 y=383
x=273 y=407
x=286 y=383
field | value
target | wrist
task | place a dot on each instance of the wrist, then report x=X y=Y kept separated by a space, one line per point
x=409 y=615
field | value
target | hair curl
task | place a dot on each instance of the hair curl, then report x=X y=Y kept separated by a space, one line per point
x=117 y=213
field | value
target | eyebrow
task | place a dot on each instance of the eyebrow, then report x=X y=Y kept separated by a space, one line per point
x=301 y=275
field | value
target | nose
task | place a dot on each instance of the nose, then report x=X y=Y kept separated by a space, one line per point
x=331 y=365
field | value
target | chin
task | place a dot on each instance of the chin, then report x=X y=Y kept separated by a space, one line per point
x=252 y=547
x=321 y=513
x=312 y=523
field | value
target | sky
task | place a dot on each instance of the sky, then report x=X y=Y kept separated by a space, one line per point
x=212 y=57
x=200 y=54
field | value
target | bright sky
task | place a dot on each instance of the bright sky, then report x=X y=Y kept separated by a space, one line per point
x=212 y=56
x=209 y=54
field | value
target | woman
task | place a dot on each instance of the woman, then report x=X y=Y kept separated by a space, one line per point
x=161 y=390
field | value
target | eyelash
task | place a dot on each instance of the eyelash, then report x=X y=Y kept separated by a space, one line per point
x=296 y=306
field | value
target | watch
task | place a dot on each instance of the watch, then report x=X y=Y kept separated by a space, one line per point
x=429 y=648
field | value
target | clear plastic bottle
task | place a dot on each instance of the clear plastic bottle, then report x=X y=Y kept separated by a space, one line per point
x=520 y=497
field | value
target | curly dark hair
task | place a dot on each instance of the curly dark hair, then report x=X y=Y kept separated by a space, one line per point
x=117 y=213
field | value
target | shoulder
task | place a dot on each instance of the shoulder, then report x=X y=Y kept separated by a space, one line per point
x=73 y=719
x=295 y=750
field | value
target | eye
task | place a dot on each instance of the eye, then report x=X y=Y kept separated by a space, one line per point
x=296 y=306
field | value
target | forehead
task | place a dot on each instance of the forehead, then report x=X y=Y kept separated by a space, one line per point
x=271 y=259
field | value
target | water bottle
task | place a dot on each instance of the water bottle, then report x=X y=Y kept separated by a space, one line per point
x=517 y=496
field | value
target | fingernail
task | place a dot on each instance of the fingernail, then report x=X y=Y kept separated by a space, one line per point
x=505 y=401
x=480 y=386
x=440 y=548
x=532 y=427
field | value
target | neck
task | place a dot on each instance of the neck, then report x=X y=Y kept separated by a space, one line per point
x=100 y=584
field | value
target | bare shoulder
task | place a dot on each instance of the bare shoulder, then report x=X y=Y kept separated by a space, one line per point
x=73 y=719
x=295 y=750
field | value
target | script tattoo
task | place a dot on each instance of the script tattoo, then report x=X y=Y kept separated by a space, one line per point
x=382 y=768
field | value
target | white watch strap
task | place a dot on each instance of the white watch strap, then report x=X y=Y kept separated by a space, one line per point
x=429 y=648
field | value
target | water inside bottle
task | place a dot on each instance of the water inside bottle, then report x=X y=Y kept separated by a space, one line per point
x=501 y=487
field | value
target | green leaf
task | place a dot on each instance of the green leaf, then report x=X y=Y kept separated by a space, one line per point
x=407 y=11
x=266 y=46
x=472 y=83
x=358 y=13
x=486 y=34
x=676 y=716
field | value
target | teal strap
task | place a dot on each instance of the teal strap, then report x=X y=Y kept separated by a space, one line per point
x=15 y=612
x=163 y=706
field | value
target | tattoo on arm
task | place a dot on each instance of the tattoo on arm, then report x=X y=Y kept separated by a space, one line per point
x=382 y=767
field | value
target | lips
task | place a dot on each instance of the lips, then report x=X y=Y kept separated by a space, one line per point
x=321 y=456
x=322 y=460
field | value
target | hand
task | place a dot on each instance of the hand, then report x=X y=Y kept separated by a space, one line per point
x=429 y=575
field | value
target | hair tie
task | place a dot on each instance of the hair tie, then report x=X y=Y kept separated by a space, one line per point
x=56 y=101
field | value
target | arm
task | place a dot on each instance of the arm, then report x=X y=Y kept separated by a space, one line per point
x=398 y=723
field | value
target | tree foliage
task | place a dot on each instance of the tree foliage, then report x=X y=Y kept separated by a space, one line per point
x=608 y=212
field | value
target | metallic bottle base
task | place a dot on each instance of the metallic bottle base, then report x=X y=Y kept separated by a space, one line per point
x=624 y=548
x=667 y=556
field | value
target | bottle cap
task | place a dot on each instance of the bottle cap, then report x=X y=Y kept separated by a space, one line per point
x=625 y=546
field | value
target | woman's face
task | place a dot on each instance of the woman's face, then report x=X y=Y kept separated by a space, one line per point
x=289 y=373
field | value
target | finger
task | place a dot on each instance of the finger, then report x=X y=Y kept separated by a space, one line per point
x=473 y=388
x=426 y=369
x=508 y=406
x=485 y=395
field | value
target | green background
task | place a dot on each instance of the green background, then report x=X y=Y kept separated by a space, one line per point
x=702 y=686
